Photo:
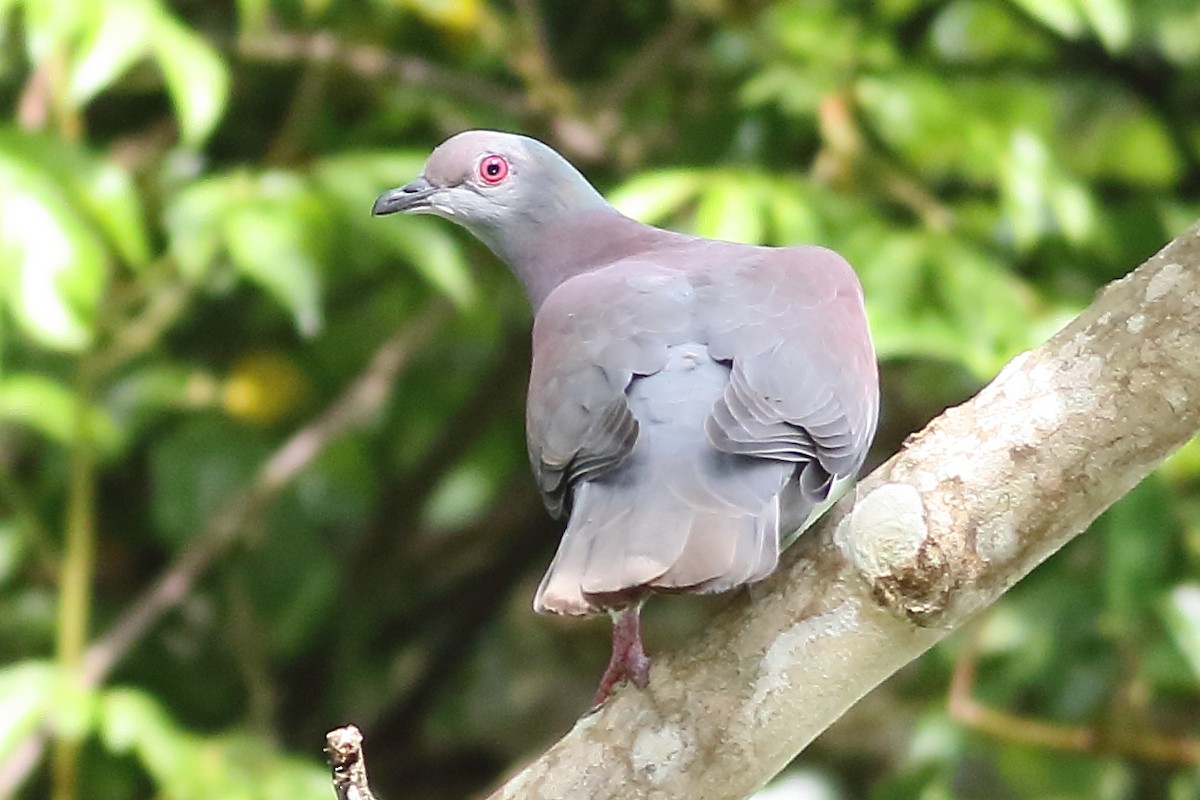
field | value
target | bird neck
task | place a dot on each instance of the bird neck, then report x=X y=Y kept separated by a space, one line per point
x=553 y=251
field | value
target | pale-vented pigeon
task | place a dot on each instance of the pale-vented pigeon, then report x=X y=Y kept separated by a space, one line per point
x=690 y=400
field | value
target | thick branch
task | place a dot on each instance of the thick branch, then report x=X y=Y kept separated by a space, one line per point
x=986 y=492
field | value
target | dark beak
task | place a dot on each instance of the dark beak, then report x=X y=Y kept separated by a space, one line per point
x=409 y=197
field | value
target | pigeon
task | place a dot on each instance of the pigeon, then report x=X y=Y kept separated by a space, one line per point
x=691 y=402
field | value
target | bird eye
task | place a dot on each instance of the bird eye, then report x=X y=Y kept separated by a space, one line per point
x=493 y=169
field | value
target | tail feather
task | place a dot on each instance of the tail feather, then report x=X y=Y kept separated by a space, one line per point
x=635 y=552
x=767 y=557
x=561 y=589
x=613 y=548
x=710 y=548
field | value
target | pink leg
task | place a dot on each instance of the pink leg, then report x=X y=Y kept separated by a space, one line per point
x=629 y=659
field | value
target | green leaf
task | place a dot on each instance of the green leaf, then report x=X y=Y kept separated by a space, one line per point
x=50 y=25
x=654 y=197
x=26 y=697
x=1023 y=189
x=731 y=209
x=52 y=266
x=821 y=35
x=1179 y=215
x=1030 y=771
x=1139 y=531
x=254 y=16
x=196 y=471
x=145 y=395
x=1181 y=612
x=73 y=714
x=793 y=218
x=267 y=244
x=788 y=86
x=923 y=299
x=13 y=553
x=100 y=186
x=1092 y=128
x=1176 y=29
x=6 y=7
x=194 y=219
x=1112 y=20
x=990 y=333
x=114 y=202
x=951 y=127
x=186 y=766
x=353 y=180
x=435 y=254
x=457 y=15
x=1109 y=134
x=197 y=78
x=122 y=35
x=1061 y=16
x=893 y=270
x=130 y=718
x=979 y=31
x=46 y=406
x=1074 y=210
x=273 y=227
x=293 y=581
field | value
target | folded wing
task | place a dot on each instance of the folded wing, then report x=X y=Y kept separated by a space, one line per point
x=803 y=385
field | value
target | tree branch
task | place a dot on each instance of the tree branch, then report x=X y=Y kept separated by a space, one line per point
x=986 y=492
x=343 y=749
x=1118 y=740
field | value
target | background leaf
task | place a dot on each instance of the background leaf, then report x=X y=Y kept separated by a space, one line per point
x=196 y=77
x=52 y=267
x=120 y=37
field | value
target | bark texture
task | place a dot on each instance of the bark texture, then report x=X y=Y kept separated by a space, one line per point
x=969 y=506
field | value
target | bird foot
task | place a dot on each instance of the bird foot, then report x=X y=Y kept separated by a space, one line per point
x=628 y=660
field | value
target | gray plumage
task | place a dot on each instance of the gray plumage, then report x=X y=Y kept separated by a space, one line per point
x=690 y=401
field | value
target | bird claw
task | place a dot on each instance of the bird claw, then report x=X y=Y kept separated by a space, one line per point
x=634 y=668
x=628 y=661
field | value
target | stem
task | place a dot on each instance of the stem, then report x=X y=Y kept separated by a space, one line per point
x=76 y=578
x=79 y=559
x=141 y=333
x=66 y=116
x=1144 y=744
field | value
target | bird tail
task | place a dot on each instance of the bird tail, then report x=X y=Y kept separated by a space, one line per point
x=617 y=546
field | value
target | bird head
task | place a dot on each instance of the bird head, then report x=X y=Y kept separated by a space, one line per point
x=502 y=187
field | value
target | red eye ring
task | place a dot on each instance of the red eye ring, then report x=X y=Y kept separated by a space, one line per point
x=493 y=169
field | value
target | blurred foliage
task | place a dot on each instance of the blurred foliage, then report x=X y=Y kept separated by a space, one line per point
x=189 y=275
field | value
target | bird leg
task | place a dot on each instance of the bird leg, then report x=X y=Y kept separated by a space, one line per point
x=629 y=659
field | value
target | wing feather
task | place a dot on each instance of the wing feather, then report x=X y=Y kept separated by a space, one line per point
x=592 y=336
x=803 y=384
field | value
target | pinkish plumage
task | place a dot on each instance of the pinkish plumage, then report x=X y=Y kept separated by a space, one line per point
x=690 y=401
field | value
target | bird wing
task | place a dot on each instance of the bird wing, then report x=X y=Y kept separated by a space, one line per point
x=593 y=334
x=803 y=385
